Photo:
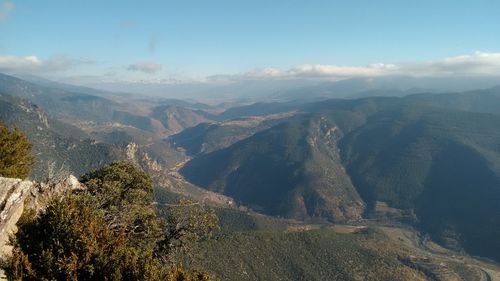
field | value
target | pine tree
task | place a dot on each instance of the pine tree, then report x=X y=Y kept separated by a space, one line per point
x=16 y=160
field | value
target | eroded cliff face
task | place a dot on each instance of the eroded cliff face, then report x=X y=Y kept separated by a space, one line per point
x=17 y=195
x=13 y=192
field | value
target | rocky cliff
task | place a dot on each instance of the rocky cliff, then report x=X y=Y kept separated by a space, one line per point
x=13 y=192
x=17 y=195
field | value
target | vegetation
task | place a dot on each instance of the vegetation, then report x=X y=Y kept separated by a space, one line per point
x=175 y=118
x=231 y=220
x=55 y=143
x=109 y=232
x=187 y=223
x=291 y=170
x=16 y=160
x=208 y=137
x=443 y=164
x=435 y=157
x=140 y=122
x=66 y=104
x=309 y=255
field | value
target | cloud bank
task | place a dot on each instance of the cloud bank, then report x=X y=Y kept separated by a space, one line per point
x=476 y=64
x=32 y=64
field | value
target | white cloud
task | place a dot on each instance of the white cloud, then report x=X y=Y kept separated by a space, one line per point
x=324 y=70
x=475 y=64
x=32 y=64
x=146 y=67
x=478 y=63
x=6 y=7
x=19 y=63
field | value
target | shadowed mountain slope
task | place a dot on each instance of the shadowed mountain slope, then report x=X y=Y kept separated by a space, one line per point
x=421 y=156
x=56 y=145
x=292 y=170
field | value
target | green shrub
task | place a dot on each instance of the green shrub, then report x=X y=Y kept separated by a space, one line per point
x=16 y=160
x=110 y=232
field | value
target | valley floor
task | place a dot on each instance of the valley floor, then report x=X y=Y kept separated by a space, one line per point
x=300 y=251
x=426 y=250
x=426 y=255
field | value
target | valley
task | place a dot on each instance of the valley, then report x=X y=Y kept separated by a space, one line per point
x=409 y=255
x=256 y=140
x=389 y=186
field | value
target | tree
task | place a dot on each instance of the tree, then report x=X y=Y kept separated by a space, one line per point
x=71 y=241
x=124 y=193
x=16 y=160
x=111 y=231
x=187 y=223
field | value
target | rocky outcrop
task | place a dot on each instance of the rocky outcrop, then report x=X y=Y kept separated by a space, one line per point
x=17 y=195
x=13 y=192
x=42 y=193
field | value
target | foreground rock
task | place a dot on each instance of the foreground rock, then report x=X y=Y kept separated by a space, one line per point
x=17 y=195
x=13 y=192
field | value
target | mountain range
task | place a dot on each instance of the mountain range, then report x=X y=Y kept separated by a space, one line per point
x=436 y=159
x=426 y=160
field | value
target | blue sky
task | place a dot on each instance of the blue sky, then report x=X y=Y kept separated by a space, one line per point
x=136 y=40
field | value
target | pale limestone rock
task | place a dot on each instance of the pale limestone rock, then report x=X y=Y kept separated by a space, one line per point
x=16 y=195
x=13 y=192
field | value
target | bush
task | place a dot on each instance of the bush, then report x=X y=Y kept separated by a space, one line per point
x=16 y=160
x=109 y=232
x=71 y=241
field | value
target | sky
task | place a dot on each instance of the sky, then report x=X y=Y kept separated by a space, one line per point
x=177 y=41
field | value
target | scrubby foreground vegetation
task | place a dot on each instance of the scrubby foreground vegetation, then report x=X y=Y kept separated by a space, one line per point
x=111 y=231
